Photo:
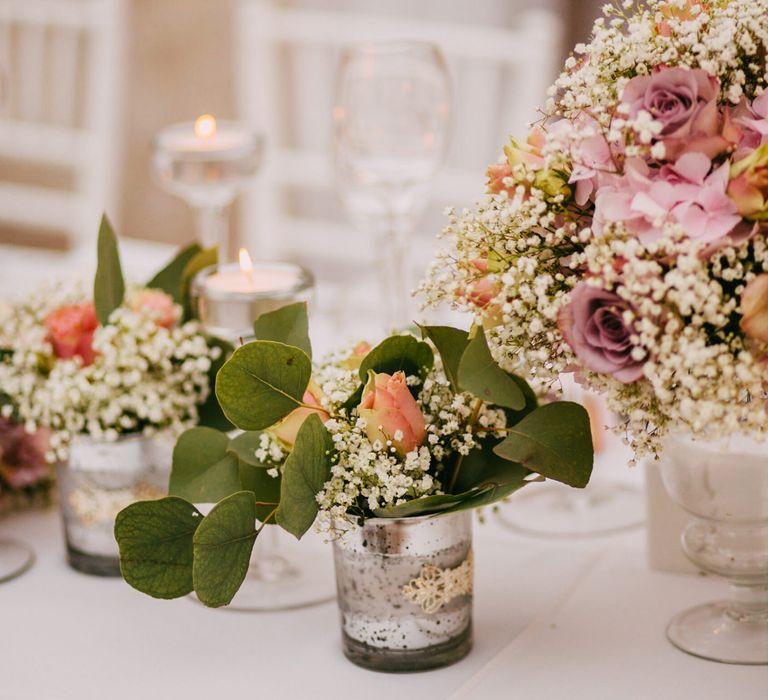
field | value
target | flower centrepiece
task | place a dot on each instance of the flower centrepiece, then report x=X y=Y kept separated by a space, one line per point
x=642 y=269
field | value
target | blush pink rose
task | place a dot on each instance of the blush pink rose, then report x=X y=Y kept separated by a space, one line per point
x=70 y=331
x=157 y=305
x=684 y=101
x=288 y=428
x=754 y=308
x=593 y=325
x=391 y=412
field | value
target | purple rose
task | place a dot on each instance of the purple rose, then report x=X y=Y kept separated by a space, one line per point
x=684 y=100
x=593 y=326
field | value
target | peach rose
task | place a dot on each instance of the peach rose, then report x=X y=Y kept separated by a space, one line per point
x=754 y=308
x=288 y=428
x=357 y=355
x=391 y=412
x=748 y=187
x=70 y=331
x=683 y=13
x=155 y=304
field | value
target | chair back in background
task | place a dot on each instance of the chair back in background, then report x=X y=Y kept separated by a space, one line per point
x=286 y=59
x=61 y=82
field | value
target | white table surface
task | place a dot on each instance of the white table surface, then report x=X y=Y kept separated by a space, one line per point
x=580 y=618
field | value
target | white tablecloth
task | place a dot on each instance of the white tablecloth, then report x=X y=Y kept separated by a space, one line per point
x=553 y=619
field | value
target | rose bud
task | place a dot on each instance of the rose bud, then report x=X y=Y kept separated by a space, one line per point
x=754 y=308
x=70 y=331
x=358 y=354
x=748 y=187
x=391 y=412
x=155 y=304
x=288 y=428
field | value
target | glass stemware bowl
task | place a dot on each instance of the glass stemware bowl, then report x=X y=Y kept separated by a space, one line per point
x=391 y=121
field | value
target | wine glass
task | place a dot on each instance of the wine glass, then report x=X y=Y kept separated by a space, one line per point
x=391 y=120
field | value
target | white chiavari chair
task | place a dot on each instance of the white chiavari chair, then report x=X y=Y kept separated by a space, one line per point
x=62 y=67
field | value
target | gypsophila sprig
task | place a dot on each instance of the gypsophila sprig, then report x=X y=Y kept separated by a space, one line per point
x=626 y=238
x=141 y=372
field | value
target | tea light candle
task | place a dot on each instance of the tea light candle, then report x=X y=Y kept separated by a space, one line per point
x=229 y=298
x=207 y=137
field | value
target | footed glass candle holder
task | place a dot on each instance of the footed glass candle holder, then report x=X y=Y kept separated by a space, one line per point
x=405 y=592
x=100 y=479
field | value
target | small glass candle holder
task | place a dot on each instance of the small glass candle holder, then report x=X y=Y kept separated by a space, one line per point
x=207 y=163
x=229 y=298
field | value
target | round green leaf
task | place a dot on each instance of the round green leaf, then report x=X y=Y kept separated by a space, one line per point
x=222 y=549
x=554 y=440
x=262 y=383
x=155 y=541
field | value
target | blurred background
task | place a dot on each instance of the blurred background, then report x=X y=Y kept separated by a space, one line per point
x=87 y=84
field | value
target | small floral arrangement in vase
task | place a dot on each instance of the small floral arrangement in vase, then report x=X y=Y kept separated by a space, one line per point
x=386 y=449
x=625 y=239
x=102 y=383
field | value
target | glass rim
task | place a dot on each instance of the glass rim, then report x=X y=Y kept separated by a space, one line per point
x=391 y=46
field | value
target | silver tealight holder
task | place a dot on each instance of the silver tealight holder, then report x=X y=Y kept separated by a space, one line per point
x=228 y=298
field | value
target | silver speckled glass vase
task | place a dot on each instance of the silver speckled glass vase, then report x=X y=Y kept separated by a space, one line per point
x=100 y=479
x=405 y=592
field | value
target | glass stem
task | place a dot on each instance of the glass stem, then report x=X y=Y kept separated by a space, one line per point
x=213 y=229
x=749 y=603
x=394 y=287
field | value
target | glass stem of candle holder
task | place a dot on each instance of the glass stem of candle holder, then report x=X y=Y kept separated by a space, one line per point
x=213 y=229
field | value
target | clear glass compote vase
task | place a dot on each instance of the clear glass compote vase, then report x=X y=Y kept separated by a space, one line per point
x=391 y=119
x=724 y=485
x=15 y=558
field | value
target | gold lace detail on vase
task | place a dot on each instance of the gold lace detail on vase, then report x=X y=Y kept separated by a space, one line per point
x=436 y=587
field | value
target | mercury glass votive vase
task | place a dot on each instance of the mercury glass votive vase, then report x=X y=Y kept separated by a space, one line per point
x=96 y=482
x=405 y=592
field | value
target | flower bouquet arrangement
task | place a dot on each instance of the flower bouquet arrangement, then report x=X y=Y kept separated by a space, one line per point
x=98 y=385
x=625 y=238
x=126 y=361
x=25 y=474
x=400 y=433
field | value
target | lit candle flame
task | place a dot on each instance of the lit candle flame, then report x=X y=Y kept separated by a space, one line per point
x=246 y=264
x=205 y=126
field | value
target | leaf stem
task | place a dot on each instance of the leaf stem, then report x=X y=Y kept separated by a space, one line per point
x=271 y=515
x=472 y=420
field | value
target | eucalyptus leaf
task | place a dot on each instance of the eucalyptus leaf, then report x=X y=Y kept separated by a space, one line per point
x=203 y=471
x=108 y=285
x=531 y=401
x=244 y=446
x=264 y=487
x=205 y=258
x=399 y=353
x=169 y=279
x=262 y=383
x=555 y=441
x=480 y=375
x=155 y=541
x=428 y=505
x=451 y=344
x=306 y=470
x=288 y=324
x=222 y=548
x=209 y=413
